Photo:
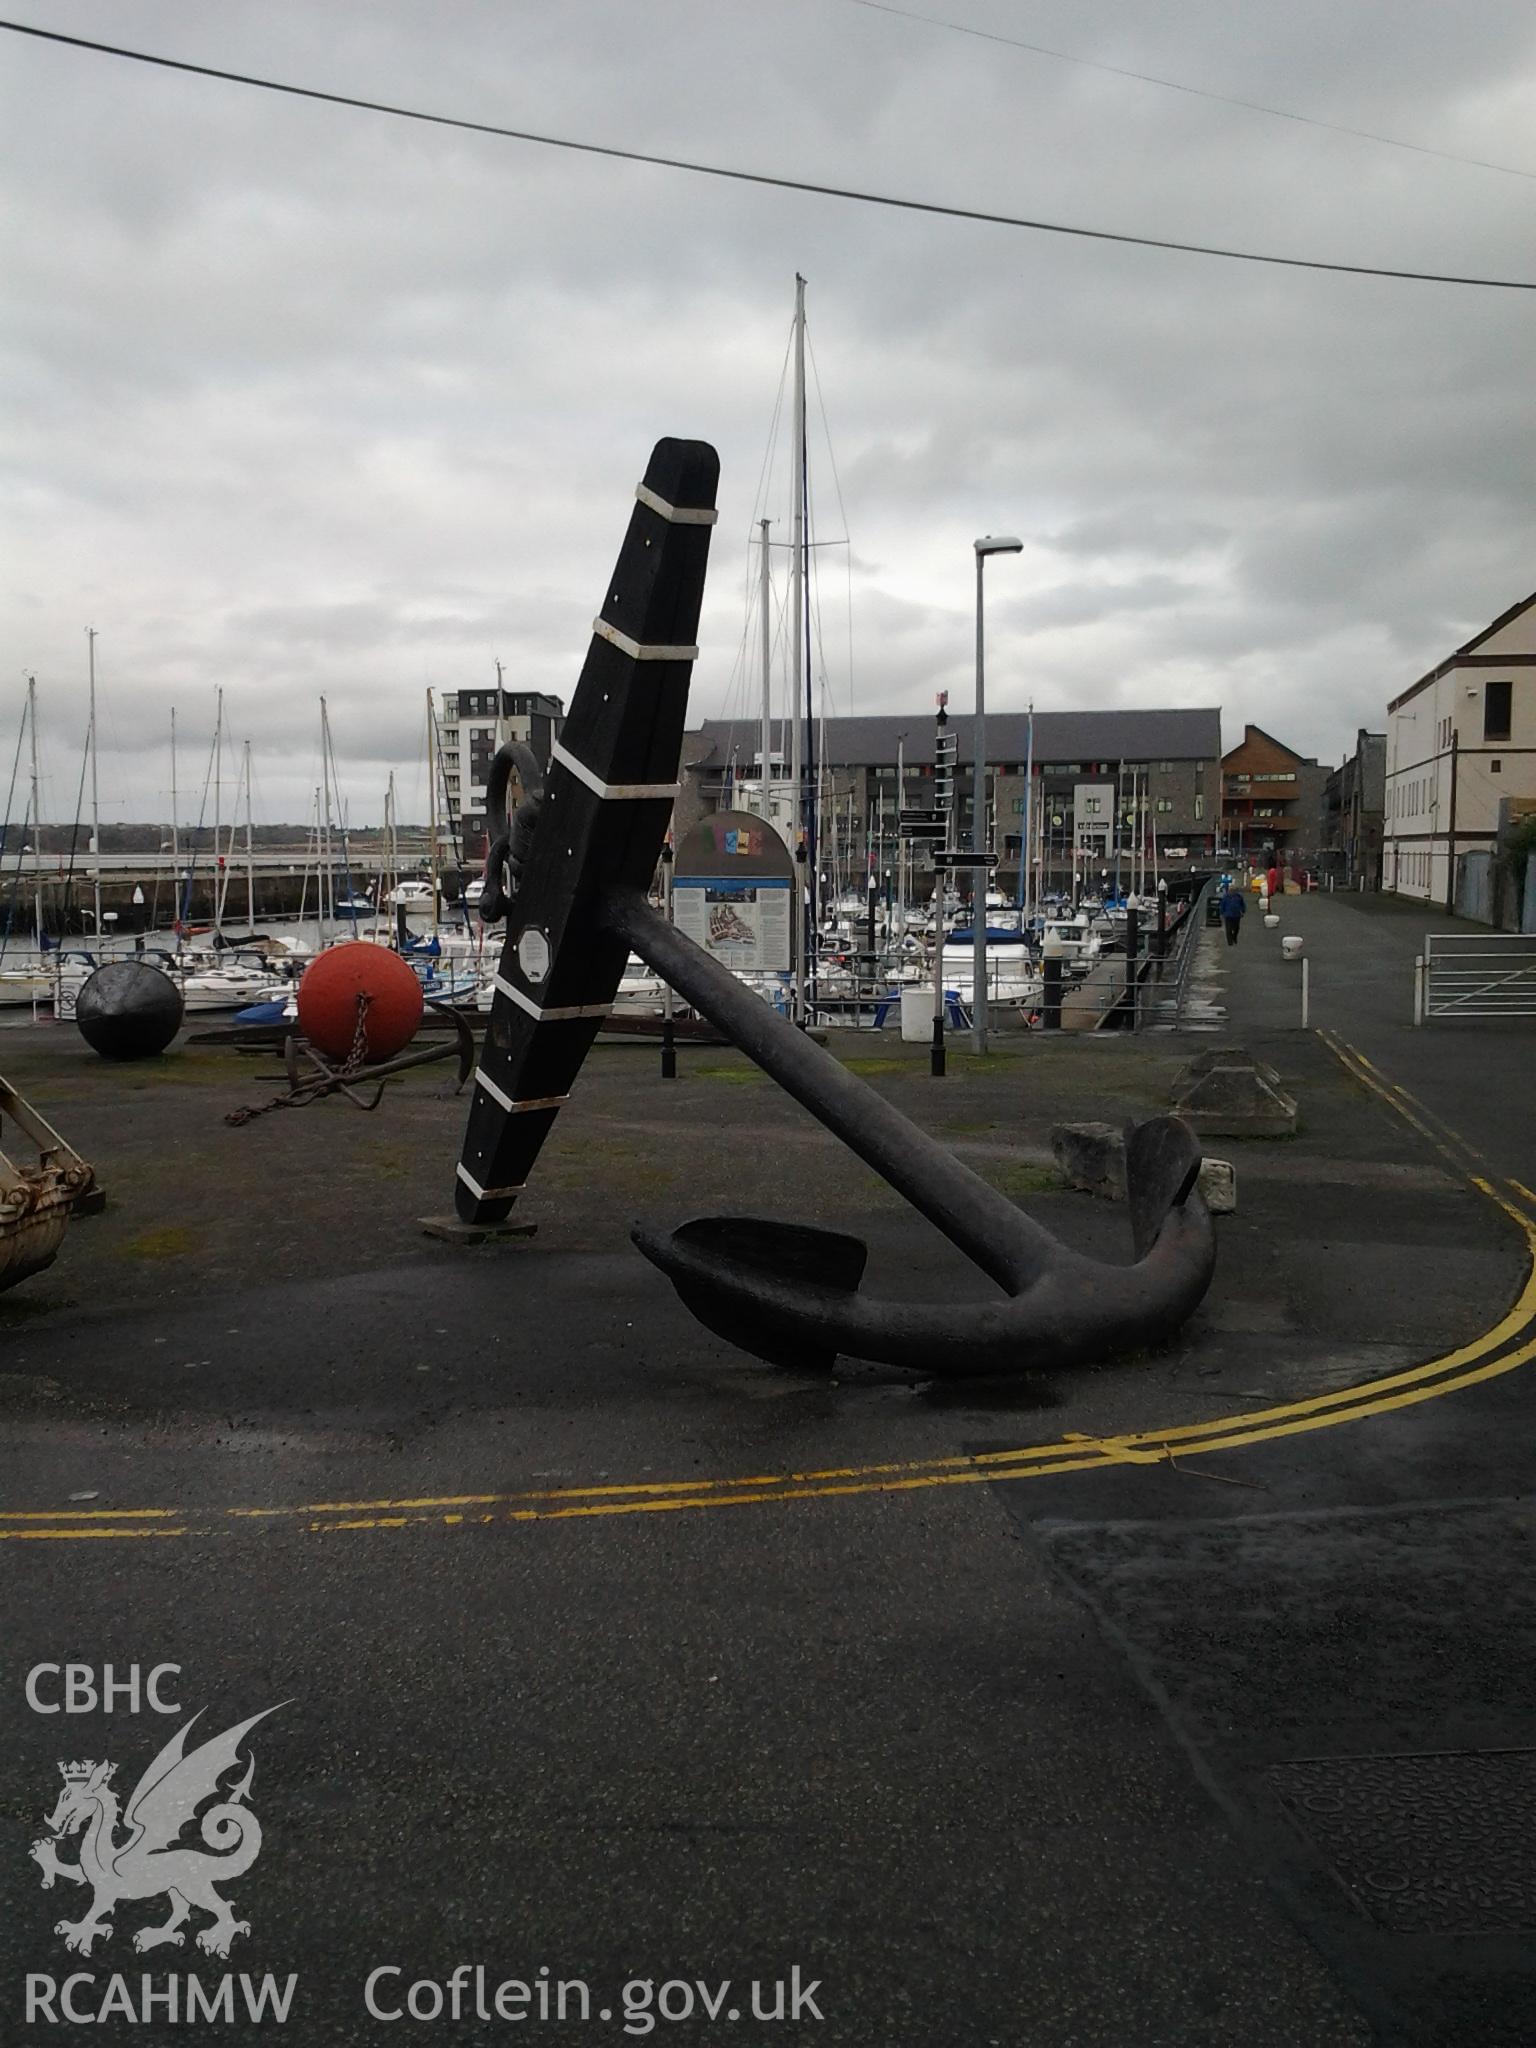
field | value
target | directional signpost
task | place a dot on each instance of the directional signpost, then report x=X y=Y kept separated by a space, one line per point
x=963 y=857
x=922 y=825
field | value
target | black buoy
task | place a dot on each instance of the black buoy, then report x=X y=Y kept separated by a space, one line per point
x=128 y=1010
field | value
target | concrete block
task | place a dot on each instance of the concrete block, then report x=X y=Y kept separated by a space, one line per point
x=1218 y=1184
x=1233 y=1095
x=1221 y=1056
x=1091 y=1158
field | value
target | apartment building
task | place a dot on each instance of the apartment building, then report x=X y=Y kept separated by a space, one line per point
x=1461 y=741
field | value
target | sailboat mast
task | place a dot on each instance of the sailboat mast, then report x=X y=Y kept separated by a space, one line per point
x=764 y=605
x=392 y=838
x=37 y=817
x=432 y=786
x=90 y=642
x=250 y=863
x=326 y=875
x=796 y=667
x=1026 y=837
x=175 y=839
x=901 y=850
x=218 y=801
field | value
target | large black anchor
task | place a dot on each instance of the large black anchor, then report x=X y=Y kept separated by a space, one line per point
x=575 y=866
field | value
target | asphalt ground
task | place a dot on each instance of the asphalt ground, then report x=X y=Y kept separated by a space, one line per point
x=1006 y=1713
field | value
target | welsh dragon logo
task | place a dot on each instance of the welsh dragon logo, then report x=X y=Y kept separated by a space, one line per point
x=146 y=1860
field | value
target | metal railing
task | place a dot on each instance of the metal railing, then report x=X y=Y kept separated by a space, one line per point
x=1475 y=974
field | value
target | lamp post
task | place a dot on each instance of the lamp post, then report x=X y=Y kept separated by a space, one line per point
x=990 y=544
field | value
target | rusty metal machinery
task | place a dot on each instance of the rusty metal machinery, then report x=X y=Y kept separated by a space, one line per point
x=573 y=869
x=38 y=1198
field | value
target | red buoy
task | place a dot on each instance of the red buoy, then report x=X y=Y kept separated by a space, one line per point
x=359 y=979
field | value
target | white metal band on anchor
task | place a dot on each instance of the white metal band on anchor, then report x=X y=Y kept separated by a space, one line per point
x=557 y=1013
x=497 y=1094
x=637 y=650
x=680 y=515
x=611 y=792
x=514 y=994
x=487 y=1194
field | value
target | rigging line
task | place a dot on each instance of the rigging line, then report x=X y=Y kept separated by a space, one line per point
x=777 y=183
x=826 y=434
x=10 y=795
x=74 y=836
x=814 y=578
x=837 y=485
x=37 y=850
x=184 y=904
x=737 y=678
x=1200 y=92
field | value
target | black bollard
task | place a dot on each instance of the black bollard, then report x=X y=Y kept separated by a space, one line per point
x=1050 y=997
x=668 y=1050
x=936 y=1057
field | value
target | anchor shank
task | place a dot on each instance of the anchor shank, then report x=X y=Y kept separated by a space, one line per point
x=985 y=1225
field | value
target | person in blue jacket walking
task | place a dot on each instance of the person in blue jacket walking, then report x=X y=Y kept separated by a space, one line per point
x=1233 y=908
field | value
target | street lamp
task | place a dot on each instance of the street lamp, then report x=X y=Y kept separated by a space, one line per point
x=989 y=544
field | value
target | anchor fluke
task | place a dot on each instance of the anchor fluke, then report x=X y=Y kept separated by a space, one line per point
x=1162 y=1168
x=732 y=1272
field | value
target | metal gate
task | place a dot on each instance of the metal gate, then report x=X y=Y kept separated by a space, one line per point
x=1481 y=974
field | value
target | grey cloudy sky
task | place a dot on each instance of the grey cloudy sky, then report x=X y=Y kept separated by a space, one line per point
x=299 y=399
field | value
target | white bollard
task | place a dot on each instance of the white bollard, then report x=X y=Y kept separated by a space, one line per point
x=1418 y=990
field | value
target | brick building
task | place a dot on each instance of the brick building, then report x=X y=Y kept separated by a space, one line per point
x=1354 y=801
x=1271 y=802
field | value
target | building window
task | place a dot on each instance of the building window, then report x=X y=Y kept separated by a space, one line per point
x=1165 y=803
x=1496 y=698
x=1199 y=807
x=1495 y=767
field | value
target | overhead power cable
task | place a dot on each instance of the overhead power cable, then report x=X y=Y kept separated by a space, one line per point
x=765 y=178
x=1200 y=92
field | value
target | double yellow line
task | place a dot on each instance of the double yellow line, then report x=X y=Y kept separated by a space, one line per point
x=1510 y=1343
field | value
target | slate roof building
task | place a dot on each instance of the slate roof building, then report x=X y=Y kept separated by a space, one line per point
x=1102 y=780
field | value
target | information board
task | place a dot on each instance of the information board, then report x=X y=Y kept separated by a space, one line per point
x=733 y=892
